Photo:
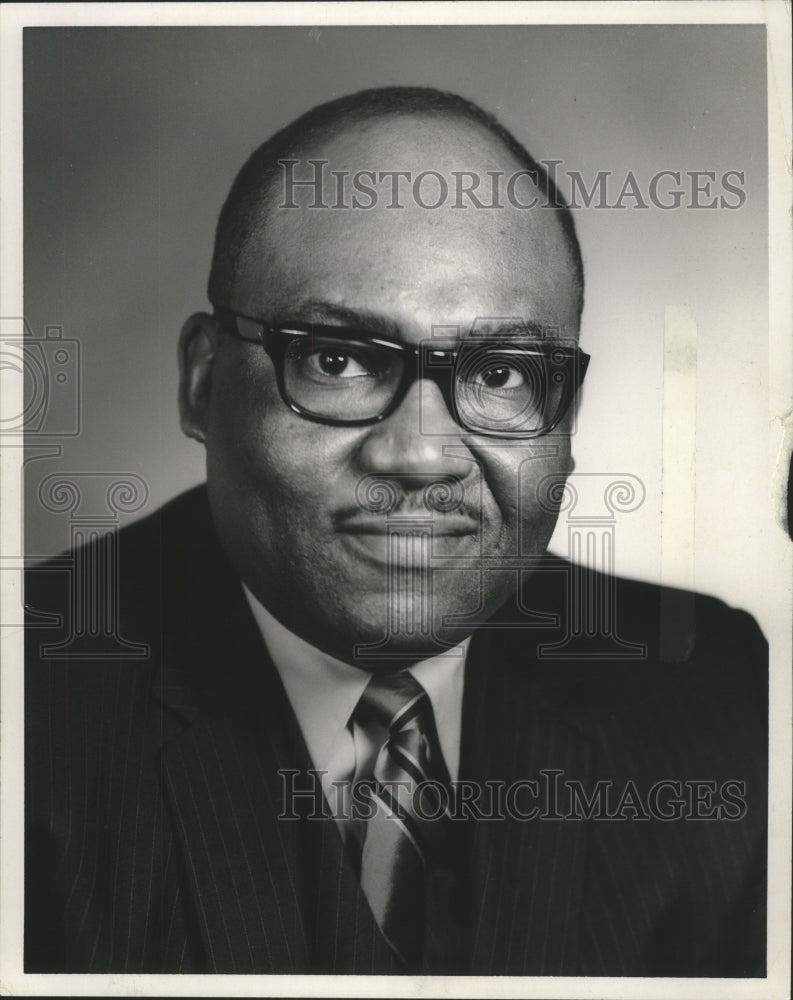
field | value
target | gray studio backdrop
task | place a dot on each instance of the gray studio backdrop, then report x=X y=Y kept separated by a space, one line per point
x=133 y=135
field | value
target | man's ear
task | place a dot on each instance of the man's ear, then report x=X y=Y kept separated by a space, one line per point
x=197 y=346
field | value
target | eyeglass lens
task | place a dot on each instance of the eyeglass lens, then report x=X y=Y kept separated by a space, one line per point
x=496 y=389
x=342 y=380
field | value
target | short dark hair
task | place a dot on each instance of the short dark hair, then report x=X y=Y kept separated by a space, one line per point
x=243 y=207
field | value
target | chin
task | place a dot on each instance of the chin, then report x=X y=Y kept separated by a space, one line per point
x=397 y=652
x=381 y=642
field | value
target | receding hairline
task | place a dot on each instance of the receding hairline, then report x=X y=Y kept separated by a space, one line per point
x=244 y=215
x=266 y=201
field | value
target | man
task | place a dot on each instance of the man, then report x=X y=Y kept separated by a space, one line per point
x=363 y=741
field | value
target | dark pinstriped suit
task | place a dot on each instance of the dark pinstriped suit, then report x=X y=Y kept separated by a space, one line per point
x=152 y=793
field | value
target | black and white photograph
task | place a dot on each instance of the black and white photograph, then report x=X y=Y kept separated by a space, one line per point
x=397 y=548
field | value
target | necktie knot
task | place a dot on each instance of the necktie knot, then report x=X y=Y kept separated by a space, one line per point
x=395 y=702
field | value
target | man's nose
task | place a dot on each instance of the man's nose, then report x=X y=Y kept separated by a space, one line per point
x=410 y=442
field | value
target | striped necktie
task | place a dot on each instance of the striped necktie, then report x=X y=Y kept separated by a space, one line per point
x=407 y=830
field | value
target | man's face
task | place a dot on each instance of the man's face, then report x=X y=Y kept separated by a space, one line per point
x=295 y=501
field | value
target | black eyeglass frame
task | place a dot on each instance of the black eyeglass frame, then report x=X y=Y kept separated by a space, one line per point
x=276 y=339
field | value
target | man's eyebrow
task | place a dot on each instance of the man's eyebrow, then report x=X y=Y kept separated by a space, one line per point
x=321 y=311
x=510 y=328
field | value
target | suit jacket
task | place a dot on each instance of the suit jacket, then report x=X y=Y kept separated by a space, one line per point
x=153 y=842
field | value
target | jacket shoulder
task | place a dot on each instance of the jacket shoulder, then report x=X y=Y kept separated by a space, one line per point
x=632 y=654
x=141 y=558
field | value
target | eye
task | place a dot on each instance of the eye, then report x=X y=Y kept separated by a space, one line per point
x=500 y=375
x=335 y=363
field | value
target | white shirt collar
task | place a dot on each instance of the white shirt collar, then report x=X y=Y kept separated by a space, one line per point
x=324 y=691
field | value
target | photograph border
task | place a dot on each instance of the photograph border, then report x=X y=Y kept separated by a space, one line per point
x=775 y=14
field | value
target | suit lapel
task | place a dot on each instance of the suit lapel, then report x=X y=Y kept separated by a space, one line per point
x=524 y=878
x=222 y=782
x=268 y=894
x=238 y=860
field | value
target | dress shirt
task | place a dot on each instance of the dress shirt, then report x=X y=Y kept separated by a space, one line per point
x=324 y=691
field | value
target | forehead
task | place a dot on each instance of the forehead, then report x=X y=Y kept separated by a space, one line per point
x=388 y=252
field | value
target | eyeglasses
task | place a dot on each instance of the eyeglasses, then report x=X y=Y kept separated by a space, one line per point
x=519 y=388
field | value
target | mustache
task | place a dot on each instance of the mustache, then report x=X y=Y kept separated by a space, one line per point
x=392 y=496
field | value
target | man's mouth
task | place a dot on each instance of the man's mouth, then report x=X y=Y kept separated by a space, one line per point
x=409 y=541
x=438 y=525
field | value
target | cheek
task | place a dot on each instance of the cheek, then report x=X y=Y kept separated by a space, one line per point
x=240 y=460
x=267 y=470
x=542 y=478
x=518 y=478
x=275 y=469
x=523 y=483
x=246 y=440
